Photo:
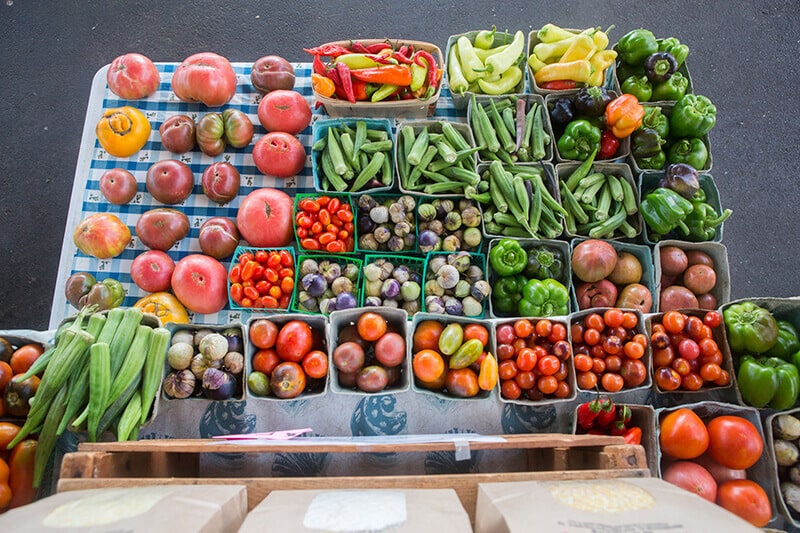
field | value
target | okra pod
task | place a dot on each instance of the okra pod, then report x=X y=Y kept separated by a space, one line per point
x=419 y=148
x=113 y=320
x=628 y=197
x=608 y=226
x=153 y=367
x=123 y=337
x=348 y=151
x=337 y=158
x=537 y=141
x=581 y=172
x=368 y=172
x=426 y=159
x=335 y=179
x=615 y=186
x=47 y=436
x=574 y=208
x=129 y=421
x=454 y=137
x=376 y=146
x=536 y=205
x=360 y=137
x=77 y=397
x=133 y=363
x=482 y=124
x=523 y=197
x=603 y=203
x=503 y=135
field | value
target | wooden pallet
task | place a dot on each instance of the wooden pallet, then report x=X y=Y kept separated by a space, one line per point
x=177 y=461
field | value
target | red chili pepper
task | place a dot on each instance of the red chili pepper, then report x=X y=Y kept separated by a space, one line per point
x=337 y=83
x=624 y=414
x=347 y=82
x=383 y=60
x=618 y=428
x=608 y=145
x=360 y=90
x=633 y=435
x=558 y=85
x=587 y=413
x=428 y=57
x=329 y=50
x=318 y=66
x=374 y=48
x=359 y=48
x=608 y=411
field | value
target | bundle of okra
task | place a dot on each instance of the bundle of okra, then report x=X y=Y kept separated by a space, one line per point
x=354 y=160
x=509 y=130
x=520 y=203
x=599 y=205
x=437 y=159
x=103 y=373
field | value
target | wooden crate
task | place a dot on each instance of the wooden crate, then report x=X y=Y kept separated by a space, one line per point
x=177 y=461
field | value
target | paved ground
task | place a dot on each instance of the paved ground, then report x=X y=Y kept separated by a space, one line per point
x=744 y=57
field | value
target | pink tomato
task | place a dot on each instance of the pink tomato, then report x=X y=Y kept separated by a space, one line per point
x=265 y=218
x=200 y=283
x=279 y=154
x=205 y=77
x=152 y=270
x=284 y=110
x=133 y=76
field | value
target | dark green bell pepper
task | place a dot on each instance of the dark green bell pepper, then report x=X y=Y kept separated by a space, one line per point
x=768 y=381
x=507 y=257
x=636 y=45
x=655 y=119
x=579 y=140
x=625 y=71
x=692 y=116
x=672 y=45
x=506 y=294
x=703 y=221
x=543 y=263
x=654 y=162
x=691 y=151
x=638 y=86
x=672 y=89
x=645 y=143
x=543 y=298
x=751 y=329
x=787 y=344
x=664 y=210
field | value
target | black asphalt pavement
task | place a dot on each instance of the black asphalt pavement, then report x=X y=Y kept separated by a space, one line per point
x=744 y=56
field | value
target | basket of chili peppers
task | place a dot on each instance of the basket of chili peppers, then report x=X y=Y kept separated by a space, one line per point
x=377 y=77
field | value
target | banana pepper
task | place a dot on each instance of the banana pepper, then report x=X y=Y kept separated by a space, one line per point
x=543 y=298
x=768 y=382
x=122 y=131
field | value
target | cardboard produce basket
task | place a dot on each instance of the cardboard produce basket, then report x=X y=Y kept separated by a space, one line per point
x=718 y=253
x=780 y=473
x=416 y=266
x=415 y=108
x=17 y=338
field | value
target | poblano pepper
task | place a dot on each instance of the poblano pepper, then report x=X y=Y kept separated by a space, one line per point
x=664 y=210
x=672 y=89
x=787 y=343
x=654 y=118
x=654 y=162
x=691 y=151
x=544 y=263
x=751 y=328
x=636 y=45
x=672 y=45
x=543 y=298
x=703 y=221
x=579 y=140
x=506 y=294
x=768 y=382
x=692 y=116
x=638 y=86
x=645 y=143
x=508 y=258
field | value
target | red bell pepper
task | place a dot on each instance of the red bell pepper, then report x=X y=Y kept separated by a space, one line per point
x=609 y=144
x=587 y=413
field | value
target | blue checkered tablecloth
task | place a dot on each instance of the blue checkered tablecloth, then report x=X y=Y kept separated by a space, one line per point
x=94 y=161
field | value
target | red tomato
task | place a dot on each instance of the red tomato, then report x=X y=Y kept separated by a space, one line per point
x=371 y=326
x=746 y=499
x=205 y=77
x=476 y=331
x=390 y=349
x=428 y=366
x=683 y=435
x=200 y=283
x=734 y=442
x=315 y=364
x=133 y=76
x=462 y=382
x=263 y=333
x=294 y=341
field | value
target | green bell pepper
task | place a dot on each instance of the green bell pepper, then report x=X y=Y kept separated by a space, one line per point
x=645 y=143
x=654 y=162
x=636 y=45
x=692 y=116
x=579 y=140
x=673 y=46
x=787 y=344
x=691 y=151
x=655 y=119
x=506 y=294
x=638 y=86
x=543 y=263
x=768 y=381
x=751 y=329
x=664 y=210
x=702 y=222
x=625 y=71
x=507 y=257
x=543 y=298
x=672 y=89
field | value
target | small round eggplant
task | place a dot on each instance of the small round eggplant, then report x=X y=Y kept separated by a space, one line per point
x=681 y=178
x=660 y=66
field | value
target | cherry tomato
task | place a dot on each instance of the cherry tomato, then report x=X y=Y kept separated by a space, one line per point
x=507 y=369
x=558 y=333
x=612 y=382
x=613 y=317
x=547 y=384
x=587 y=380
x=428 y=365
x=594 y=321
x=510 y=390
x=523 y=328
x=583 y=363
x=712 y=319
x=543 y=328
x=673 y=321
x=688 y=349
x=371 y=326
x=548 y=365
x=629 y=320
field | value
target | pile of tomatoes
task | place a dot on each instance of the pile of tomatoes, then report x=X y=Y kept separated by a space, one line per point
x=710 y=456
x=685 y=354
x=15 y=360
x=325 y=223
x=533 y=359
x=16 y=468
x=262 y=279
x=290 y=358
x=452 y=358
x=370 y=354
x=609 y=347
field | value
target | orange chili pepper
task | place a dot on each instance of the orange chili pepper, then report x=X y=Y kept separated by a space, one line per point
x=487 y=377
x=624 y=115
x=322 y=85
x=387 y=74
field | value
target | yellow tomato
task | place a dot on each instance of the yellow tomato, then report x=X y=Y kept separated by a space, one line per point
x=164 y=306
x=123 y=131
